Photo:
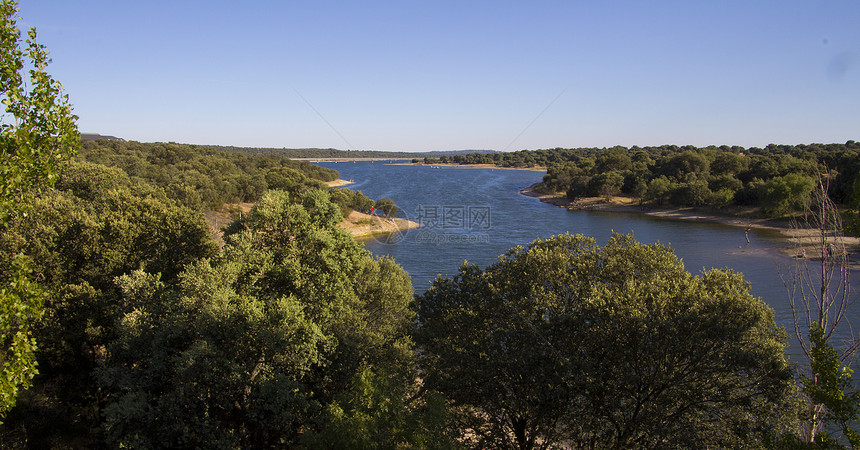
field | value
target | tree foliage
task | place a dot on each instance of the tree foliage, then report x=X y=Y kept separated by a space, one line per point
x=42 y=133
x=784 y=194
x=264 y=344
x=830 y=385
x=350 y=200
x=387 y=206
x=217 y=175
x=774 y=177
x=566 y=342
x=79 y=238
x=205 y=177
x=20 y=306
x=37 y=134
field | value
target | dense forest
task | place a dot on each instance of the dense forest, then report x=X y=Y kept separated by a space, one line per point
x=308 y=153
x=218 y=176
x=203 y=177
x=124 y=323
x=778 y=178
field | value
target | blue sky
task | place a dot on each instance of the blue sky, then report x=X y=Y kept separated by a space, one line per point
x=445 y=75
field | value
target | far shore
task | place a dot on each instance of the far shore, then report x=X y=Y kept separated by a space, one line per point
x=340 y=160
x=469 y=166
x=802 y=243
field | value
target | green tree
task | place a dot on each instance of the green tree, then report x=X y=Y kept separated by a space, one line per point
x=78 y=246
x=36 y=137
x=853 y=225
x=289 y=335
x=692 y=193
x=374 y=413
x=564 y=342
x=685 y=163
x=830 y=385
x=387 y=206
x=606 y=184
x=20 y=305
x=781 y=195
x=614 y=159
x=350 y=200
x=658 y=190
x=729 y=164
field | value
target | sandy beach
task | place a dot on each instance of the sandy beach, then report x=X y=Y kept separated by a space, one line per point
x=469 y=166
x=799 y=243
x=361 y=225
x=338 y=183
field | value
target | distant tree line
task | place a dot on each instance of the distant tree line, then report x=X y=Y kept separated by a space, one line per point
x=321 y=152
x=777 y=178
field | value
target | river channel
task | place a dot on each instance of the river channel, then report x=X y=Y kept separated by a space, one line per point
x=476 y=214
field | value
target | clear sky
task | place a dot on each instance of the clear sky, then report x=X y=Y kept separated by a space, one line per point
x=448 y=75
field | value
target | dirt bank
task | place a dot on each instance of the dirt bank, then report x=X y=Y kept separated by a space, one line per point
x=800 y=243
x=361 y=225
x=338 y=183
x=469 y=166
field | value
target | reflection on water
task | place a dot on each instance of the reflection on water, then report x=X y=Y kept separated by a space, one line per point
x=478 y=214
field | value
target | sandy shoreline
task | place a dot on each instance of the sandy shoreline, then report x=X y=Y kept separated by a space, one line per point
x=799 y=242
x=338 y=183
x=469 y=166
x=361 y=225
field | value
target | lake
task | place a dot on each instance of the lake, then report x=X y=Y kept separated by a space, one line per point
x=477 y=214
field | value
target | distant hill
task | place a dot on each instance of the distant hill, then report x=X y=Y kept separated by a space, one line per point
x=334 y=153
x=321 y=152
x=456 y=152
x=95 y=136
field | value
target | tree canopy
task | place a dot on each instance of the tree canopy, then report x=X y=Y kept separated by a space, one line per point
x=777 y=178
x=37 y=135
x=252 y=347
x=565 y=342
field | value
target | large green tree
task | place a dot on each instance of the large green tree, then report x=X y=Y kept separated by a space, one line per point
x=96 y=226
x=273 y=342
x=565 y=342
x=781 y=195
x=37 y=134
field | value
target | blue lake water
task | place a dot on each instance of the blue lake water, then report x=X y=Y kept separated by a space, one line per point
x=478 y=214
